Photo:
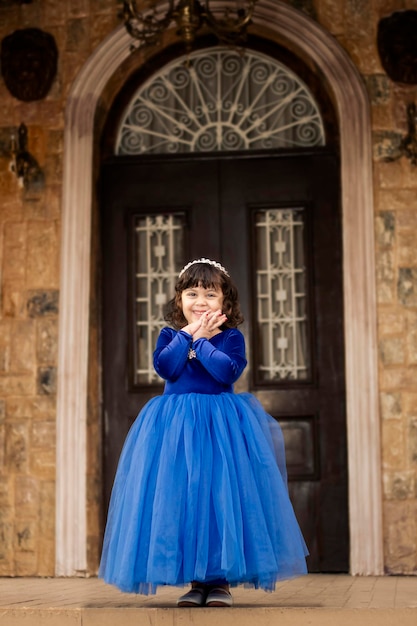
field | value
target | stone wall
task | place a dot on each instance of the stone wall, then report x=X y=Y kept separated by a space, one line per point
x=396 y=257
x=29 y=285
x=29 y=296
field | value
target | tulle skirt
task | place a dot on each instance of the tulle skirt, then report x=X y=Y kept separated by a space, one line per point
x=200 y=494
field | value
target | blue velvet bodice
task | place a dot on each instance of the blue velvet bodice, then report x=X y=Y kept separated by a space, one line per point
x=215 y=365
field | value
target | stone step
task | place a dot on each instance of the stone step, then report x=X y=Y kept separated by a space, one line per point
x=314 y=600
x=209 y=617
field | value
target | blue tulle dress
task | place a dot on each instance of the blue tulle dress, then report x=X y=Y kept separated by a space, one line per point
x=200 y=492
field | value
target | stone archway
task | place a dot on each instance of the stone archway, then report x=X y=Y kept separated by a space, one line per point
x=365 y=498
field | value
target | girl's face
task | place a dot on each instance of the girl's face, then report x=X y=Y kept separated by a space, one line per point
x=197 y=300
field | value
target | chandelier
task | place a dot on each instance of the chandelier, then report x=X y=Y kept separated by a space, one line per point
x=148 y=24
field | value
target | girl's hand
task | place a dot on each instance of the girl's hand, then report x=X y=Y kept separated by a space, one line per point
x=192 y=328
x=210 y=322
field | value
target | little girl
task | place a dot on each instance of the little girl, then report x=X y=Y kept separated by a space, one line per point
x=200 y=495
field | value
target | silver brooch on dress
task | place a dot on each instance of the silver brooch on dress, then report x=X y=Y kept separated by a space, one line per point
x=192 y=354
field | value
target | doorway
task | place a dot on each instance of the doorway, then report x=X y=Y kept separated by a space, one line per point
x=310 y=41
x=221 y=205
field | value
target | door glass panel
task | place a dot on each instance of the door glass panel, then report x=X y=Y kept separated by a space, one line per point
x=158 y=257
x=282 y=350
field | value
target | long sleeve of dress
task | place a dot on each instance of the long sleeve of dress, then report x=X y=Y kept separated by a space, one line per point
x=225 y=366
x=171 y=353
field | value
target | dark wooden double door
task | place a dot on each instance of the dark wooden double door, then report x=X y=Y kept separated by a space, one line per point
x=218 y=197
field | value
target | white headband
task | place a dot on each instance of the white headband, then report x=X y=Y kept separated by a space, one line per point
x=203 y=260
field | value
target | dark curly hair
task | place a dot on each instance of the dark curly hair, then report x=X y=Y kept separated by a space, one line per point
x=206 y=276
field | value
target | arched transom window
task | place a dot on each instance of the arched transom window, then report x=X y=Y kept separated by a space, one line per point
x=220 y=100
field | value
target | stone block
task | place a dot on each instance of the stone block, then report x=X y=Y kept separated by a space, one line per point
x=26 y=563
x=390 y=321
x=385 y=276
x=6 y=493
x=42 y=302
x=412 y=441
x=46 y=380
x=407 y=286
x=389 y=175
x=23 y=357
x=25 y=536
x=407 y=218
x=5 y=348
x=42 y=254
x=47 y=510
x=411 y=340
x=50 y=114
x=55 y=141
x=11 y=210
x=26 y=497
x=53 y=168
x=106 y=6
x=53 y=13
x=331 y=17
x=7 y=566
x=360 y=45
x=381 y=117
x=385 y=228
x=42 y=463
x=43 y=434
x=17 y=385
x=397 y=378
x=396 y=200
x=5 y=135
x=46 y=558
x=47 y=341
x=78 y=35
x=406 y=248
x=37 y=142
x=79 y=8
x=13 y=299
x=31 y=13
x=409 y=403
x=16 y=456
x=400 y=535
x=399 y=485
x=393 y=445
x=386 y=145
x=37 y=407
x=53 y=196
x=2 y=448
x=8 y=180
x=6 y=540
x=392 y=350
x=391 y=406
x=378 y=86
x=14 y=246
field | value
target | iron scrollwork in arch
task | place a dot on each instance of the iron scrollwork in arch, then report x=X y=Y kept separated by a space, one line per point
x=220 y=100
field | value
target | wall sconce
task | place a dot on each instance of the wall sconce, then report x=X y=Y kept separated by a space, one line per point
x=23 y=164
